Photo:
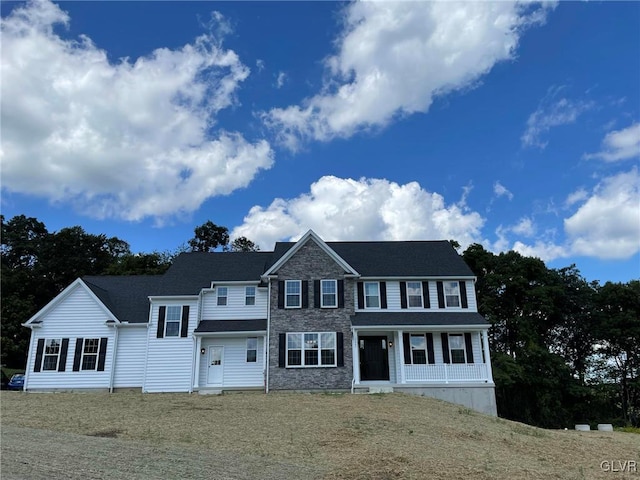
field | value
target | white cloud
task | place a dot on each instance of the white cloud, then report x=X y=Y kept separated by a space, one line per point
x=524 y=227
x=501 y=191
x=607 y=225
x=365 y=209
x=578 y=196
x=394 y=58
x=280 y=79
x=125 y=139
x=260 y=65
x=552 y=112
x=620 y=145
x=546 y=251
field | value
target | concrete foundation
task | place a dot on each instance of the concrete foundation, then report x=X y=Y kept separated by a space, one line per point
x=479 y=398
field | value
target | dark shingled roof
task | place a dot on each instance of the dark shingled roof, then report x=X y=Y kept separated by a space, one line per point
x=125 y=295
x=367 y=319
x=435 y=258
x=209 y=326
x=191 y=272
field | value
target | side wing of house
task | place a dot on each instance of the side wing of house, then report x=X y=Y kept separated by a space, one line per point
x=72 y=343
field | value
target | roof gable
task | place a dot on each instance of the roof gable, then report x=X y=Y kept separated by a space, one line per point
x=310 y=236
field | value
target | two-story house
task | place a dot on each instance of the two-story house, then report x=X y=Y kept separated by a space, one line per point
x=308 y=316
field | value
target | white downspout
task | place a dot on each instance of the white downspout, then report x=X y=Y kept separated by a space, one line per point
x=400 y=355
x=146 y=354
x=28 y=366
x=113 y=359
x=268 y=340
x=487 y=357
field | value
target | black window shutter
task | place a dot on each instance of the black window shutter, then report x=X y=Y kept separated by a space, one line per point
x=360 y=295
x=161 y=314
x=425 y=295
x=39 y=350
x=431 y=358
x=102 y=354
x=184 y=328
x=440 y=294
x=383 y=294
x=403 y=294
x=63 y=355
x=406 y=340
x=340 y=349
x=316 y=293
x=469 y=347
x=463 y=294
x=282 y=349
x=445 y=347
x=305 y=293
x=280 y=293
x=77 y=355
x=340 y=293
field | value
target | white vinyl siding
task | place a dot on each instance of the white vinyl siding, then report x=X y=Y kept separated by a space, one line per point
x=169 y=359
x=237 y=372
x=235 y=309
x=130 y=357
x=77 y=315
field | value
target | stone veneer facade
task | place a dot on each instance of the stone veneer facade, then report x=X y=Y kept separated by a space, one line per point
x=311 y=263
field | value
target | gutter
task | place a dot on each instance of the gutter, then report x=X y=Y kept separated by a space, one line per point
x=266 y=350
x=113 y=359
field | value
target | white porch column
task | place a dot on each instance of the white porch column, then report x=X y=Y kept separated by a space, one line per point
x=355 y=354
x=400 y=344
x=487 y=356
x=196 y=382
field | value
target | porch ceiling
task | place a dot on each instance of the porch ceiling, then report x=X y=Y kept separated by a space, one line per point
x=209 y=326
x=372 y=319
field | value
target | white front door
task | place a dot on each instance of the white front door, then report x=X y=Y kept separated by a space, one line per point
x=216 y=365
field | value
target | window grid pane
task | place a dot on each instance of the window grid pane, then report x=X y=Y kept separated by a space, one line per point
x=372 y=298
x=250 y=296
x=292 y=288
x=173 y=313
x=173 y=329
x=50 y=362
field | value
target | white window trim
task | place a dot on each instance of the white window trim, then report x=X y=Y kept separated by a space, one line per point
x=335 y=294
x=247 y=350
x=426 y=348
x=286 y=295
x=446 y=303
x=247 y=296
x=166 y=321
x=97 y=354
x=44 y=355
x=364 y=288
x=464 y=348
x=421 y=294
x=319 y=350
x=225 y=296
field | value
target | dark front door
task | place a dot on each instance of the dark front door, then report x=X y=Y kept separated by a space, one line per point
x=374 y=361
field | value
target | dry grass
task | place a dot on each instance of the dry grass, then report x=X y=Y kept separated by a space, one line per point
x=335 y=436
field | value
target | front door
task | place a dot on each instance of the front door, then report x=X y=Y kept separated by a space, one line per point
x=216 y=365
x=374 y=360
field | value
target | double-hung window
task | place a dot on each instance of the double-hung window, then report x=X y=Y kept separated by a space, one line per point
x=249 y=295
x=172 y=321
x=452 y=294
x=418 y=349
x=90 y=353
x=329 y=293
x=317 y=349
x=457 y=348
x=222 y=295
x=414 y=294
x=51 y=354
x=372 y=295
x=293 y=297
x=252 y=349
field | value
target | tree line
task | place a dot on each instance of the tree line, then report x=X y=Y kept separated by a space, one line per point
x=563 y=350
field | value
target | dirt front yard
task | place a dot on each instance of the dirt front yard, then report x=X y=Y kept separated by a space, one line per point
x=246 y=436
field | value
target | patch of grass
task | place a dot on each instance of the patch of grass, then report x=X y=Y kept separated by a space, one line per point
x=109 y=433
x=635 y=430
x=521 y=429
x=466 y=411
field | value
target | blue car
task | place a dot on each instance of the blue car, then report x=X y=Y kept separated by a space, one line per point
x=16 y=382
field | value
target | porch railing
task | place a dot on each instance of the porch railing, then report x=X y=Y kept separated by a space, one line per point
x=446 y=372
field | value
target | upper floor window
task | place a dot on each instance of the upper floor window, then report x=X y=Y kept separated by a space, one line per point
x=293 y=294
x=90 y=353
x=51 y=354
x=250 y=295
x=371 y=295
x=414 y=294
x=172 y=321
x=329 y=294
x=457 y=348
x=252 y=349
x=222 y=295
x=452 y=294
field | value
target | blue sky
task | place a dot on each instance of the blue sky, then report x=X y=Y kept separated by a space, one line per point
x=512 y=125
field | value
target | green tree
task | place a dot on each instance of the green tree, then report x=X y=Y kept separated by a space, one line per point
x=209 y=237
x=243 y=244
